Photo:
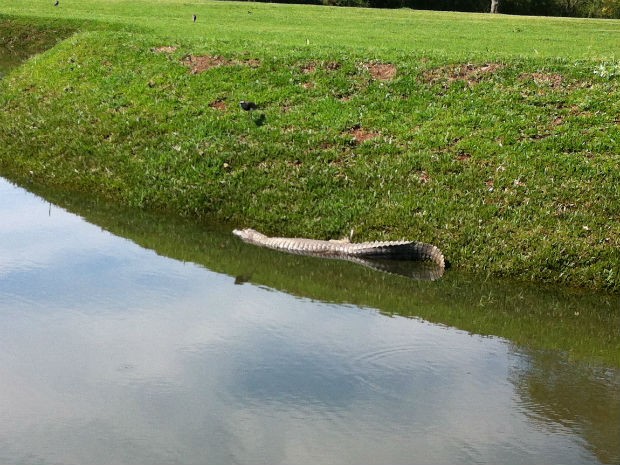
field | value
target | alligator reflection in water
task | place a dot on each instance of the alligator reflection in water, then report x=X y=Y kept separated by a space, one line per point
x=420 y=271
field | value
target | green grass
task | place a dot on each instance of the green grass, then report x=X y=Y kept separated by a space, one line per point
x=497 y=139
x=365 y=30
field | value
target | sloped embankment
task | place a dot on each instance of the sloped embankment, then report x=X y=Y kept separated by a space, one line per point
x=509 y=166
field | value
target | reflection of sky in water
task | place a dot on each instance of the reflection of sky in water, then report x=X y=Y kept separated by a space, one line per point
x=110 y=353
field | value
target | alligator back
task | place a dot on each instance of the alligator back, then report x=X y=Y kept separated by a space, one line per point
x=392 y=250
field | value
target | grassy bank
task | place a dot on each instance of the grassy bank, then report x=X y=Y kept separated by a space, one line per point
x=505 y=156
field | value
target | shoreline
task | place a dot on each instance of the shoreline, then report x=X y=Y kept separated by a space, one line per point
x=509 y=165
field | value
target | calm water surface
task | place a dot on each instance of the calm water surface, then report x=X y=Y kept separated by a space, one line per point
x=111 y=353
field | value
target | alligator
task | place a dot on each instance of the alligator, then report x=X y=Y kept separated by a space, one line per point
x=377 y=254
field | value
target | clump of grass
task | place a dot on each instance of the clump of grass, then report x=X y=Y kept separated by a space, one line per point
x=509 y=165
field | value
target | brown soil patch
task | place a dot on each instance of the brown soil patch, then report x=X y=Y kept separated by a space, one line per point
x=308 y=85
x=308 y=68
x=252 y=62
x=311 y=67
x=361 y=135
x=219 y=104
x=201 y=63
x=543 y=79
x=471 y=74
x=295 y=163
x=381 y=71
x=332 y=65
x=165 y=49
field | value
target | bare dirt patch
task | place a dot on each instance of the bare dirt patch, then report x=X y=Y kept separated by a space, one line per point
x=361 y=135
x=251 y=62
x=332 y=65
x=308 y=68
x=469 y=73
x=381 y=71
x=165 y=49
x=423 y=177
x=463 y=156
x=201 y=63
x=311 y=67
x=219 y=104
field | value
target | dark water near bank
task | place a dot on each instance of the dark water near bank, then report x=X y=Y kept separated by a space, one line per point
x=8 y=62
x=136 y=339
x=20 y=39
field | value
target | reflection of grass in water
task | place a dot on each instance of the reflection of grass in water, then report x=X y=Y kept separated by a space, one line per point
x=583 y=325
x=21 y=39
x=574 y=395
x=7 y=62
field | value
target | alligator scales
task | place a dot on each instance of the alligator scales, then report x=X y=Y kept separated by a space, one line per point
x=362 y=252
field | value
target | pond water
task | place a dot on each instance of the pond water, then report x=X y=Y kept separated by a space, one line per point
x=130 y=338
x=7 y=62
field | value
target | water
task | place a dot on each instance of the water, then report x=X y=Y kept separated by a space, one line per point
x=7 y=62
x=193 y=348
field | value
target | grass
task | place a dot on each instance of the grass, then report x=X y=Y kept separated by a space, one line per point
x=495 y=138
x=258 y=25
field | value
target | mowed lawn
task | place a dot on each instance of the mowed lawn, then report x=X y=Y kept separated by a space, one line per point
x=496 y=138
x=372 y=30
